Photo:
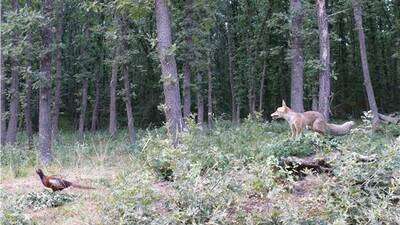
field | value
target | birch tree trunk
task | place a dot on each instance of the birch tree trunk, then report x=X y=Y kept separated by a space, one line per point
x=14 y=90
x=170 y=79
x=46 y=154
x=297 y=57
x=324 y=57
x=364 y=61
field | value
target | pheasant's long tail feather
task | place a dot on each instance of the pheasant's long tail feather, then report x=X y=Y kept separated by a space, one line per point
x=81 y=186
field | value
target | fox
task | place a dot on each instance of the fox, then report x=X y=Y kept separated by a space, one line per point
x=311 y=120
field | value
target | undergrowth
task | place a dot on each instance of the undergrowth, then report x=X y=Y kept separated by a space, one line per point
x=231 y=175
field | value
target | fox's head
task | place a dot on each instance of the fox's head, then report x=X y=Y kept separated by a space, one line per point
x=280 y=111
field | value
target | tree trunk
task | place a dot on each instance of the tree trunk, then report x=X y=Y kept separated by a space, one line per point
x=14 y=90
x=297 y=91
x=46 y=155
x=3 y=120
x=200 y=101
x=83 y=108
x=128 y=103
x=324 y=57
x=28 y=95
x=95 y=112
x=189 y=56
x=232 y=77
x=363 y=52
x=57 y=96
x=209 y=95
x=170 y=79
x=113 y=97
x=262 y=82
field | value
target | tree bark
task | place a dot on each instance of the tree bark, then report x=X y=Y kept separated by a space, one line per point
x=82 y=115
x=28 y=94
x=14 y=90
x=113 y=96
x=173 y=114
x=262 y=82
x=364 y=61
x=3 y=120
x=189 y=54
x=46 y=155
x=209 y=95
x=128 y=103
x=297 y=90
x=200 y=101
x=57 y=96
x=232 y=77
x=95 y=112
x=324 y=56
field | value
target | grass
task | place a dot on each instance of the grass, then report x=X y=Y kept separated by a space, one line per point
x=229 y=175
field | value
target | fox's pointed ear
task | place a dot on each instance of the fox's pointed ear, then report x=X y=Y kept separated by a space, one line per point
x=283 y=103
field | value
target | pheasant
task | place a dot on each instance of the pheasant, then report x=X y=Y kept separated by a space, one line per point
x=57 y=184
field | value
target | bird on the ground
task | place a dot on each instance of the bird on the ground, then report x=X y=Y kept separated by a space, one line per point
x=56 y=183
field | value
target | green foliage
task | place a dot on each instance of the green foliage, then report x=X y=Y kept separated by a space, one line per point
x=231 y=175
x=46 y=199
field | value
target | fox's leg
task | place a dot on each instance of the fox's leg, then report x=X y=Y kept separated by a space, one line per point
x=319 y=126
x=299 y=128
x=293 y=131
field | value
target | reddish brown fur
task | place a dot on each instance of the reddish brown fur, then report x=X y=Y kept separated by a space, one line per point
x=311 y=119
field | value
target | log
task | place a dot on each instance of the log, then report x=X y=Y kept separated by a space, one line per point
x=318 y=163
x=298 y=165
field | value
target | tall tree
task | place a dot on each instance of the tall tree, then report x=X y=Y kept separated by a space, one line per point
x=200 y=100
x=46 y=155
x=235 y=108
x=14 y=89
x=324 y=57
x=85 y=87
x=173 y=114
x=57 y=94
x=297 y=57
x=112 y=128
x=2 y=98
x=28 y=94
x=262 y=82
x=364 y=61
x=95 y=112
x=189 y=54
x=209 y=93
x=127 y=84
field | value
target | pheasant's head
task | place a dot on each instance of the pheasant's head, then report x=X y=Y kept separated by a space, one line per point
x=40 y=172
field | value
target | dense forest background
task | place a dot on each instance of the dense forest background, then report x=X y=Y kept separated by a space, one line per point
x=233 y=58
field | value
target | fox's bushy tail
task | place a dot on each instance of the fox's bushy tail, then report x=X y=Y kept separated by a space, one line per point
x=341 y=129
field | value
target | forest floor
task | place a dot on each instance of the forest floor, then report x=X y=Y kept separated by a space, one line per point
x=227 y=176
